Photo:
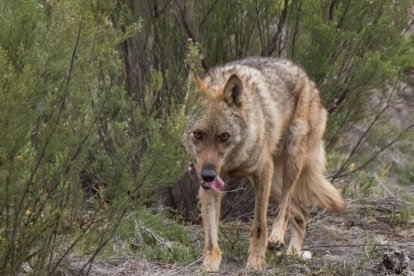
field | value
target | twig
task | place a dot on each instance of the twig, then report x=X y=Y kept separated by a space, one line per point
x=342 y=19
x=232 y=191
x=376 y=176
x=375 y=155
x=356 y=245
x=184 y=268
x=51 y=271
x=208 y=13
x=296 y=29
x=339 y=173
x=316 y=217
x=184 y=22
x=276 y=39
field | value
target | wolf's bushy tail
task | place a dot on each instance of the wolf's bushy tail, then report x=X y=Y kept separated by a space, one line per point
x=313 y=188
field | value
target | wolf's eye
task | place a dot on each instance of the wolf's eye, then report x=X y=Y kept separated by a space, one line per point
x=198 y=135
x=224 y=137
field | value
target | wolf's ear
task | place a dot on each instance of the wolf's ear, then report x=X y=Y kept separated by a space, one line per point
x=201 y=85
x=233 y=91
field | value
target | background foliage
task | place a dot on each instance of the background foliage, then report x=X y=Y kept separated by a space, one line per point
x=90 y=95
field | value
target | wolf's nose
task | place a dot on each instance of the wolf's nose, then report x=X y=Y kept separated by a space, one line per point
x=208 y=174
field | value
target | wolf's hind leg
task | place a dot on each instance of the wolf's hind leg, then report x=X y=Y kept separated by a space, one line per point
x=210 y=210
x=293 y=162
x=298 y=219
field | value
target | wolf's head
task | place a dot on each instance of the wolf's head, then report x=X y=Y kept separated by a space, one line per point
x=216 y=129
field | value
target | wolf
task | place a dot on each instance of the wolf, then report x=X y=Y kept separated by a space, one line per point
x=260 y=118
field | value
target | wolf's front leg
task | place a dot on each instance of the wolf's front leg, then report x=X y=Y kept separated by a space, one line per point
x=210 y=211
x=258 y=241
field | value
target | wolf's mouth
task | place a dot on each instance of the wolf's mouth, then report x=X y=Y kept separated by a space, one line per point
x=216 y=185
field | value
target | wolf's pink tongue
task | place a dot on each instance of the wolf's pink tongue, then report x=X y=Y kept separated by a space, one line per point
x=217 y=184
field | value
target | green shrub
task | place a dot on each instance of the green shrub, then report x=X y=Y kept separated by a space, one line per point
x=67 y=127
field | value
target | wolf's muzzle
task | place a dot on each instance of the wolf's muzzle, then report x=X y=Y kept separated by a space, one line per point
x=208 y=173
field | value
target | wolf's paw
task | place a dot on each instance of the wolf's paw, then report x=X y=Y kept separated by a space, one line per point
x=211 y=262
x=256 y=262
x=275 y=244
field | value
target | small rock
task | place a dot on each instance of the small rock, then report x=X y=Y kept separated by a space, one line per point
x=306 y=255
x=380 y=239
x=396 y=260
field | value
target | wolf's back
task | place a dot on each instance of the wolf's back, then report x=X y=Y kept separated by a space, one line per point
x=277 y=72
